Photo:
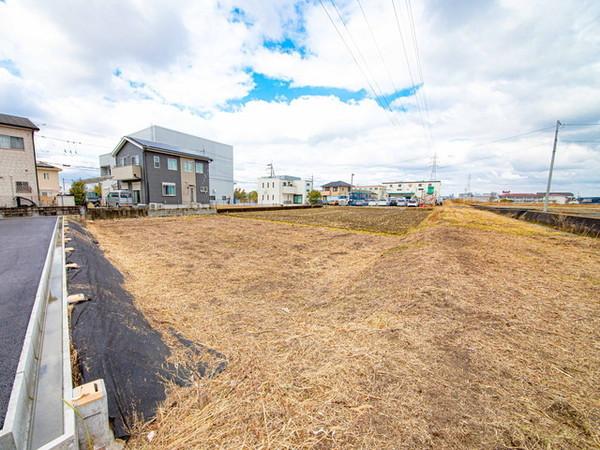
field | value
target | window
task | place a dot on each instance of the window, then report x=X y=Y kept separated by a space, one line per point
x=11 y=142
x=156 y=160
x=172 y=164
x=23 y=187
x=46 y=175
x=204 y=189
x=168 y=189
x=199 y=167
x=188 y=166
x=135 y=160
x=263 y=185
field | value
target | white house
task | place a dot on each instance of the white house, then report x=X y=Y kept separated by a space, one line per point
x=424 y=190
x=283 y=190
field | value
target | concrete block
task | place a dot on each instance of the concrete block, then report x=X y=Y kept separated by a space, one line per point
x=93 y=427
x=72 y=266
x=76 y=298
x=69 y=249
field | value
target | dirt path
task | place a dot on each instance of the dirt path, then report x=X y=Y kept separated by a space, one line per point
x=474 y=331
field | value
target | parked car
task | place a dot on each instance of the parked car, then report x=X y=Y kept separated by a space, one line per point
x=381 y=203
x=412 y=202
x=358 y=203
x=372 y=203
x=401 y=202
x=391 y=202
x=93 y=198
x=119 y=198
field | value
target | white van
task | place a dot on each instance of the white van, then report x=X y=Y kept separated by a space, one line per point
x=119 y=198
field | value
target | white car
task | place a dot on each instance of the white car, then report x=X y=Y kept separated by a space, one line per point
x=412 y=202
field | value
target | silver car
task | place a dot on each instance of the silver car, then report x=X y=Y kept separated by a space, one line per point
x=119 y=198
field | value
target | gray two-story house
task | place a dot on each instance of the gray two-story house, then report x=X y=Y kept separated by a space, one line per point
x=159 y=173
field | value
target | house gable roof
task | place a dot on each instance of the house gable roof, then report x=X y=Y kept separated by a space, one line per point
x=45 y=165
x=337 y=184
x=18 y=122
x=160 y=148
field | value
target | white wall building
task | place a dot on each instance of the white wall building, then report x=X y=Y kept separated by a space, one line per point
x=283 y=190
x=378 y=191
x=221 y=166
x=424 y=190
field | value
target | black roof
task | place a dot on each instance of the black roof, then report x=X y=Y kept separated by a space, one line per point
x=45 y=165
x=16 y=121
x=337 y=184
x=168 y=148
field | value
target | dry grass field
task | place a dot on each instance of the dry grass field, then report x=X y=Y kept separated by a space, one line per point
x=378 y=220
x=470 y=331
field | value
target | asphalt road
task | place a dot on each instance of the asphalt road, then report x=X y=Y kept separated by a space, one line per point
x=24 y=244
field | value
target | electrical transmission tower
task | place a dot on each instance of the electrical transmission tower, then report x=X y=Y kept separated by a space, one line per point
x=468 y=188
x=433 y=174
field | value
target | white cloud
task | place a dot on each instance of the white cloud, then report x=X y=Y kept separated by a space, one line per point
x=492 y=69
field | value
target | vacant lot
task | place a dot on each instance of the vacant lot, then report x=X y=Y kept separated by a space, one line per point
x=385 y=220
x=474 y=331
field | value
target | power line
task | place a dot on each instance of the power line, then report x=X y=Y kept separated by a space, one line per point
x=390 y=116
x=514 y=136
x=377 y=46
x=360 y=54
x=70 y=141
x=408 y=4
x=408 y=67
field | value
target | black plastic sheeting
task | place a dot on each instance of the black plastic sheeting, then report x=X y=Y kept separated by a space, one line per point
x=115 y=342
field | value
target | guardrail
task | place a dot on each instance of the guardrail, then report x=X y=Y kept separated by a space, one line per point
x=38 y=414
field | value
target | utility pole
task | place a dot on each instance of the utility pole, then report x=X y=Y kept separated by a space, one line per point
x=558 y=124
x=351 y=181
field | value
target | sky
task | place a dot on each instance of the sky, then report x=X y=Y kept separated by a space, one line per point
x=373 y=88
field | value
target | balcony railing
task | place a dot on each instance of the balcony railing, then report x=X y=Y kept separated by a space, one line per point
x=131 y=172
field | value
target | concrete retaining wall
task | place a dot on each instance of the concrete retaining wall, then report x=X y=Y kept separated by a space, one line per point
x=124 y=213
x=588 y=226
x=39 y=211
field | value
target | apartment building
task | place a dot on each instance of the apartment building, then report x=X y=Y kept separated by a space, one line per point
x=18 y=175
x=158 y=173
x=48 y=182
x=283 y=190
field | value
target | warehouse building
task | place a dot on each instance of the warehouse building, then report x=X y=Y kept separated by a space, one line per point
x=428 y=191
